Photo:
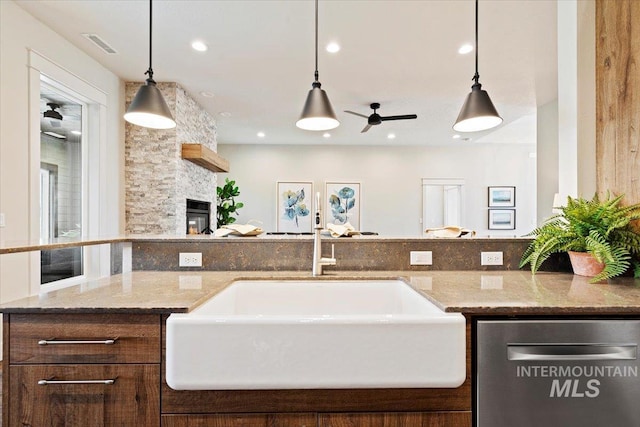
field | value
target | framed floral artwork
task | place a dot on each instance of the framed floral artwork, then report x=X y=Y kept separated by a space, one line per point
x=342 y=203
x=294 y=206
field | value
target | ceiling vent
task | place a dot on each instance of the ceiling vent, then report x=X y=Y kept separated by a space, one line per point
x=98 y=41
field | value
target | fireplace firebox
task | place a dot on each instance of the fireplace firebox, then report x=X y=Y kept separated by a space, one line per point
x=198 y=217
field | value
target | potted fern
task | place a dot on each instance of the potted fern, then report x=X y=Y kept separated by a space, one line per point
x=602 y=228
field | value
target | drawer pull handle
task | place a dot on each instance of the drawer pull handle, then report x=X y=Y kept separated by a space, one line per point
x=593 y=351
x=52 y=342
x=51 y=382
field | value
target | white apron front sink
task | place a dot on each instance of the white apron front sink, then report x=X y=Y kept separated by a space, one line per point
x=315 y=334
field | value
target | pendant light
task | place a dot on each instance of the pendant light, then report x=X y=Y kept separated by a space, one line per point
x=317 y=113
x=478 y=112
x=149 y=109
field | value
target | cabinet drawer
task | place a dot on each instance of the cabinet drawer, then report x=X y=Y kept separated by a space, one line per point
x=84 y=338
x=130 y=396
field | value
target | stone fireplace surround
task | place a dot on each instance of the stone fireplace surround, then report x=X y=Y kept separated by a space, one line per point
x=158 y=181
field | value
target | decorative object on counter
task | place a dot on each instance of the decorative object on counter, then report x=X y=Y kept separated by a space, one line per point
x=346 y=230
x=317 y=113
x=226 y=203
x=148 y=108
x=238 y=230
x=602 y=228
x=502 y=197
x=478 y=112
x=343 y=203
x=449 y=232
x=294 y=206
x=502 y=219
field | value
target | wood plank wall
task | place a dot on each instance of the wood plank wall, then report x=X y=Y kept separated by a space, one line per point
x=618 y=98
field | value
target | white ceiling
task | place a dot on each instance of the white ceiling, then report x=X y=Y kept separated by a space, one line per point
x=260 y=61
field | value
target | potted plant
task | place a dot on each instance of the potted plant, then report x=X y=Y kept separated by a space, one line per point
x=226 y=204
x=603 y=229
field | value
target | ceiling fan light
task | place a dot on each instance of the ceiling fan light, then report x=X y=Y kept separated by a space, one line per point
x=52 y=113
x=149 y=109
x=317 y=113
x=478 y=112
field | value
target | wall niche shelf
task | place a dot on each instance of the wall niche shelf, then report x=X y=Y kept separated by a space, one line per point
x=205 y=157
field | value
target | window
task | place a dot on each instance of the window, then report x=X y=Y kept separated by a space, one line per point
x=60 y=182
x=67 y=137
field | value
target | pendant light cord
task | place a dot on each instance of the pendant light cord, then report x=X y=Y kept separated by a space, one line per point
x=316 y=73
x=150 y=70
x=476 y=76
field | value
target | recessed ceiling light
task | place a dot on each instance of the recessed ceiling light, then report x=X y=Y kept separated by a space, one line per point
x=326 y=135
x=56 y=135
x=465 y=48
x=199 y=46
x=224 y=114
x=76 y=132
x=391 y=136
x=260 y=134
x=333 y=47
x=456 y=136
x=207 y=94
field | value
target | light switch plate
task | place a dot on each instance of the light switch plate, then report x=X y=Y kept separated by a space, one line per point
x=421 y=258
x=2 y=220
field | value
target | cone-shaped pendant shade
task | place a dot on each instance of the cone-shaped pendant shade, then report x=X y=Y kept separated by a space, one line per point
x=149 y=109
x=317 y=113
x=478 y=112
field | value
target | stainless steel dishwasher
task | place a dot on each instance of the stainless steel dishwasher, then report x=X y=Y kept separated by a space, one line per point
x=557 y=373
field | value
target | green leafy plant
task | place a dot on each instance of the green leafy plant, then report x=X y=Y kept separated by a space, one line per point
x=226 y=203
x=603 y=228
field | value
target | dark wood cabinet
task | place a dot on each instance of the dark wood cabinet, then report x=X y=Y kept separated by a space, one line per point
x=390 y=419
x=122 y=358
x=84 y=395
x=81 y=370
x=240 y=420
x=385 y=419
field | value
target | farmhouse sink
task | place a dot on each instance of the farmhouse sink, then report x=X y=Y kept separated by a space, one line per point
x=315 y=334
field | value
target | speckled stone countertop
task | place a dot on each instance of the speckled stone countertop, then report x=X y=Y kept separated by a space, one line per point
x=469 y=292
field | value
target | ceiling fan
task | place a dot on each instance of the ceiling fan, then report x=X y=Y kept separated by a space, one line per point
x=376 y=119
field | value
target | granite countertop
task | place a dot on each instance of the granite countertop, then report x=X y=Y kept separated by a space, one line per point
x=469 y=292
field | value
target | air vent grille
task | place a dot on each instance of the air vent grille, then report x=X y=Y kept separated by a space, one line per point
x=98 y=41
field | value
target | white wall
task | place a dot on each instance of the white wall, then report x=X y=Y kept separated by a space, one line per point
x=576 y=98
x=19 y=33
x=547 y=156
x=391 y=199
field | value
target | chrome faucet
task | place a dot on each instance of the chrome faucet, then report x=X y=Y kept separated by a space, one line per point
x=318 y=259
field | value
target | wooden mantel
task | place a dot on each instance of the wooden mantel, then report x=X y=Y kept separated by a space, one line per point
x=205 y=157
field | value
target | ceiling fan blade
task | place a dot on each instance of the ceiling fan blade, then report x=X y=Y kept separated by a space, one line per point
x=357 y=114
x=404 y=117
x=366 y=128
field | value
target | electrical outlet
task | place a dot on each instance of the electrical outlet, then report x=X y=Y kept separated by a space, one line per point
x=420 y=258
x=490 y=258
x=190 y=259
